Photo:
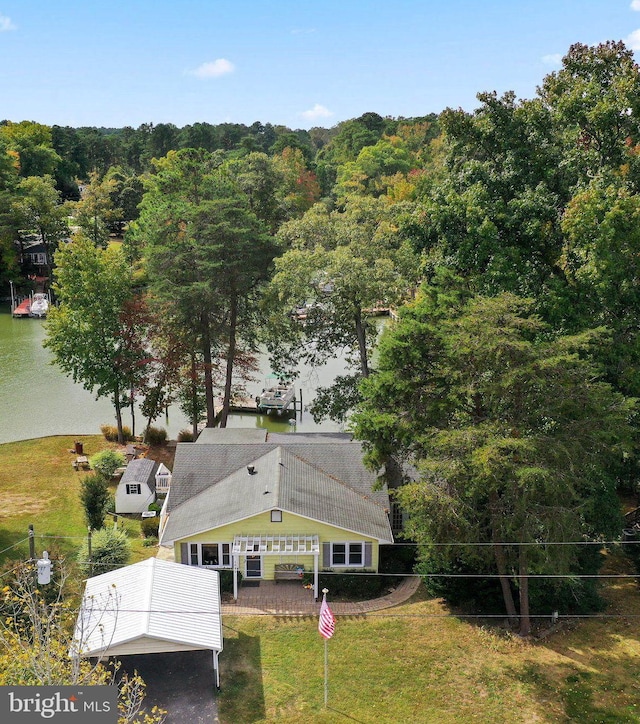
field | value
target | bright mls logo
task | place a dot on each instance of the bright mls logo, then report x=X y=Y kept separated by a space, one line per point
x=61 y=704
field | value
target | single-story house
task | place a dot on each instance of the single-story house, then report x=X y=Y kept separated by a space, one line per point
x=257 y=502
x=150 y=607
x=137 y=487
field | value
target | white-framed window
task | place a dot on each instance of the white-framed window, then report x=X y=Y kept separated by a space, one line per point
x=215 y=555
x=276 y=516
x=134 y=488
x=347 y=554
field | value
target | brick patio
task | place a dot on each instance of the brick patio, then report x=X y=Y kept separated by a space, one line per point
x=290 y=598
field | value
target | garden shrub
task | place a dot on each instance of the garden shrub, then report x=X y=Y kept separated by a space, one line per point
x=226 y=581
x=397 y=559
x=110 y=433
x=106 y=462
x=185 y=436
x=110 y=549
x=150 y=526
x=354 y=584
x=155 y=436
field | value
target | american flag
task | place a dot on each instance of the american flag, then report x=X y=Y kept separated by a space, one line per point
x=327 y=622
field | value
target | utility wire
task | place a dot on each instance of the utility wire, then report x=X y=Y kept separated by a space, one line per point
x=456 y=543
x=373 y=614
x=15 y=545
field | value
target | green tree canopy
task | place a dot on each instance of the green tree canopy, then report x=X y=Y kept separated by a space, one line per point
x=87 y=333
x=208 y=252
x=342 y=266
x=513 y=437
x=96 y=212
x=32 y=142
x=38 y=209
x=594 y=101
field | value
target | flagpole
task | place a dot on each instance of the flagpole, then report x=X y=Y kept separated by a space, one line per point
x=326 y=658
x=326 y=673
x=326 y=627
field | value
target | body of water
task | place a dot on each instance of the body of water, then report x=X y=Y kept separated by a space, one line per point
x=37 y=399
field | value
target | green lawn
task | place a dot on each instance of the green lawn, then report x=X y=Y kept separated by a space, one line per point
x=413 y=663
x=417 y=664
x=39 y=486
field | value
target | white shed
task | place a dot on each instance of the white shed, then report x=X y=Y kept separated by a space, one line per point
x=154 y=606
x=137 y=487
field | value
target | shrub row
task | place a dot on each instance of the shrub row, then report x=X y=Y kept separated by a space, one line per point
x=355 y=585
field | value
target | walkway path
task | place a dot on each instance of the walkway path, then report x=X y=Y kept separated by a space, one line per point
x=291 y=599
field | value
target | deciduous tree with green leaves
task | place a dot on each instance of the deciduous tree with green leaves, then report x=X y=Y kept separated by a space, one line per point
x=38 y=209
x=87 y=333
x=33 y=144
x=514 y=438
x=340 y=268
x=95 y=212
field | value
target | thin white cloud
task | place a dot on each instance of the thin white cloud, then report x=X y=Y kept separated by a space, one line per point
x=554 y=59
x=213 y=69
x=318 y=111
x=635 y=5
x=632 y=41
x=6 y=24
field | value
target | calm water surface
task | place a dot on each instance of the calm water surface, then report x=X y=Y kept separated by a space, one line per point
x=37 y=399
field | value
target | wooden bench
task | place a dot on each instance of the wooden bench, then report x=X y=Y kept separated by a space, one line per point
x=288 y=572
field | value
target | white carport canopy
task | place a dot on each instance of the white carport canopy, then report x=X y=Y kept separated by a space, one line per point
x=149 y=607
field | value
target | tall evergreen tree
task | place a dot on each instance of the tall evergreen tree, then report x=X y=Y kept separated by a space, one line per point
x=514 y=438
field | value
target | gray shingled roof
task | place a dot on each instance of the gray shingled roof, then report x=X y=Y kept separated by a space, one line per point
x=141 y=470
x=320 y=479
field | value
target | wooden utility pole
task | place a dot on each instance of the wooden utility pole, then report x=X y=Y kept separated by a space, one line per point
x=89 y=551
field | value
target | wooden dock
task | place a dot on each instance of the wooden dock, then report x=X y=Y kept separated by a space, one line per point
x=247 y=405
x=23 y=309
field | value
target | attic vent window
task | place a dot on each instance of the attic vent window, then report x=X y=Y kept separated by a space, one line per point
x=251 y=469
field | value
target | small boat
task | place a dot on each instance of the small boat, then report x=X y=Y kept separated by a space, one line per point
x=39 y=305
x=277 y=396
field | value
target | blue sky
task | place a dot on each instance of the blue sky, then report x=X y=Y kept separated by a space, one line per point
x=300 y=63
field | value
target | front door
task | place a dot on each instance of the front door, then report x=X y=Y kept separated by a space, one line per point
x=253 y=567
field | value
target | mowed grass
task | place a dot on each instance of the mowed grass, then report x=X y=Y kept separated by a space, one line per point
x=418 y=663
x=414 y=663
x=39 y=486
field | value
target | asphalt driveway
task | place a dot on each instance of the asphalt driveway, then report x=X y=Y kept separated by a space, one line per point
x=182 y=683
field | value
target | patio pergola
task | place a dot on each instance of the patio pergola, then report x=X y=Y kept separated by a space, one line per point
x=275 y=545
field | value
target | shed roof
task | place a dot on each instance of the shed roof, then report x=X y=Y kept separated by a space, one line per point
x=141 y=470
x=151 y=606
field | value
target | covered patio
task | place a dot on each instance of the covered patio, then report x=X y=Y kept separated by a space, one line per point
x=287 y=547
